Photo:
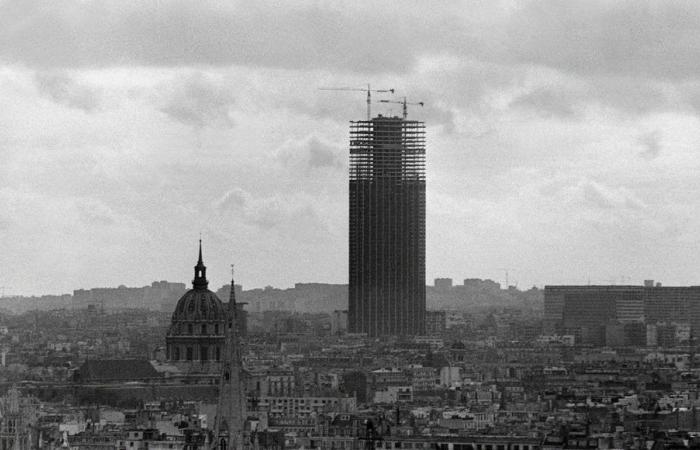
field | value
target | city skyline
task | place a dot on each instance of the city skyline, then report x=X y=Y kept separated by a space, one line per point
x=560 y=158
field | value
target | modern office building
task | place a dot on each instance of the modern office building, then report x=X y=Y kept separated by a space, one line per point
x=387 y=227
x=586 y=311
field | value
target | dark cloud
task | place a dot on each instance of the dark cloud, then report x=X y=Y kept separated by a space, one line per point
x=122 y=32
x=616 y=49
x=195 y=100
x=655 y=39
x=64 y=90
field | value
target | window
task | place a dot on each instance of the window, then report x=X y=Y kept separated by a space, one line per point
x=204 y=328
x=176 y=353
x=189 y=354
x=218 y=353
x=189 y=329
x=204 y=353
x=216 y=328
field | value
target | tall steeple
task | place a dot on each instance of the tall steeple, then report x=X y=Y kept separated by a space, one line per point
x=229 y=429
x=200 y=272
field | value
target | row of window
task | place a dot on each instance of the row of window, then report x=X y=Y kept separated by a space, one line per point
x=203 y=330
x=205 y=354
x=470 y=446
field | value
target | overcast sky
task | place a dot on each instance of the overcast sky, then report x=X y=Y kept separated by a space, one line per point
x=563 y=138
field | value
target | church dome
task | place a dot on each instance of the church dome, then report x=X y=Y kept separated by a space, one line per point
x=199 y=304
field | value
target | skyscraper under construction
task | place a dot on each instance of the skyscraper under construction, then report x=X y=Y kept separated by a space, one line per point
x=387 y=227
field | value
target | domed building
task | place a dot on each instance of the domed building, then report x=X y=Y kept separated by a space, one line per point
x=195 y=340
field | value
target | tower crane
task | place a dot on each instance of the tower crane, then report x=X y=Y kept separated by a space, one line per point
x=369 y=91
x=404 y=103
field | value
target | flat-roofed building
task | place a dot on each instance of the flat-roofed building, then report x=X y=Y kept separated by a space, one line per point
x=586 y=311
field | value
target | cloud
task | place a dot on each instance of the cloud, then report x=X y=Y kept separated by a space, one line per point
x=321 y=155
x=656 y=39
x=602 y=197
x=651 y=144
x=311 y=153
x=546 y=102
x=267 y=212
x=123 y=32
x=64 y=90
x=96 y=213
x=617 y=50
x=234 y=201
x=198 y=101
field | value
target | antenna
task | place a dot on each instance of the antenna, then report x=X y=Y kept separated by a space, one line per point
x=369 y=91
x=404 y=103
x=506 y=270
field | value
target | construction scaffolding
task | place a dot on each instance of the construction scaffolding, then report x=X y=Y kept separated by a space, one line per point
x=387 y=148
x=387 y=227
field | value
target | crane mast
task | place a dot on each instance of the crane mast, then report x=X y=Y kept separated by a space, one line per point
x=369 y=91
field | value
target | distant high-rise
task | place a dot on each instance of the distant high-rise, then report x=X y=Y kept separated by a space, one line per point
x=387 y=227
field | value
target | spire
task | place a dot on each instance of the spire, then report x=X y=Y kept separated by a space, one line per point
x=199 y=261
x=200 y=272
x=232 y=296
x=230 y=423
x=233 y=319
x=233 y=313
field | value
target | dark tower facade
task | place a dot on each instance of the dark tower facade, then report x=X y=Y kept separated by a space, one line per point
x=230 y=423
x=387 y=227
